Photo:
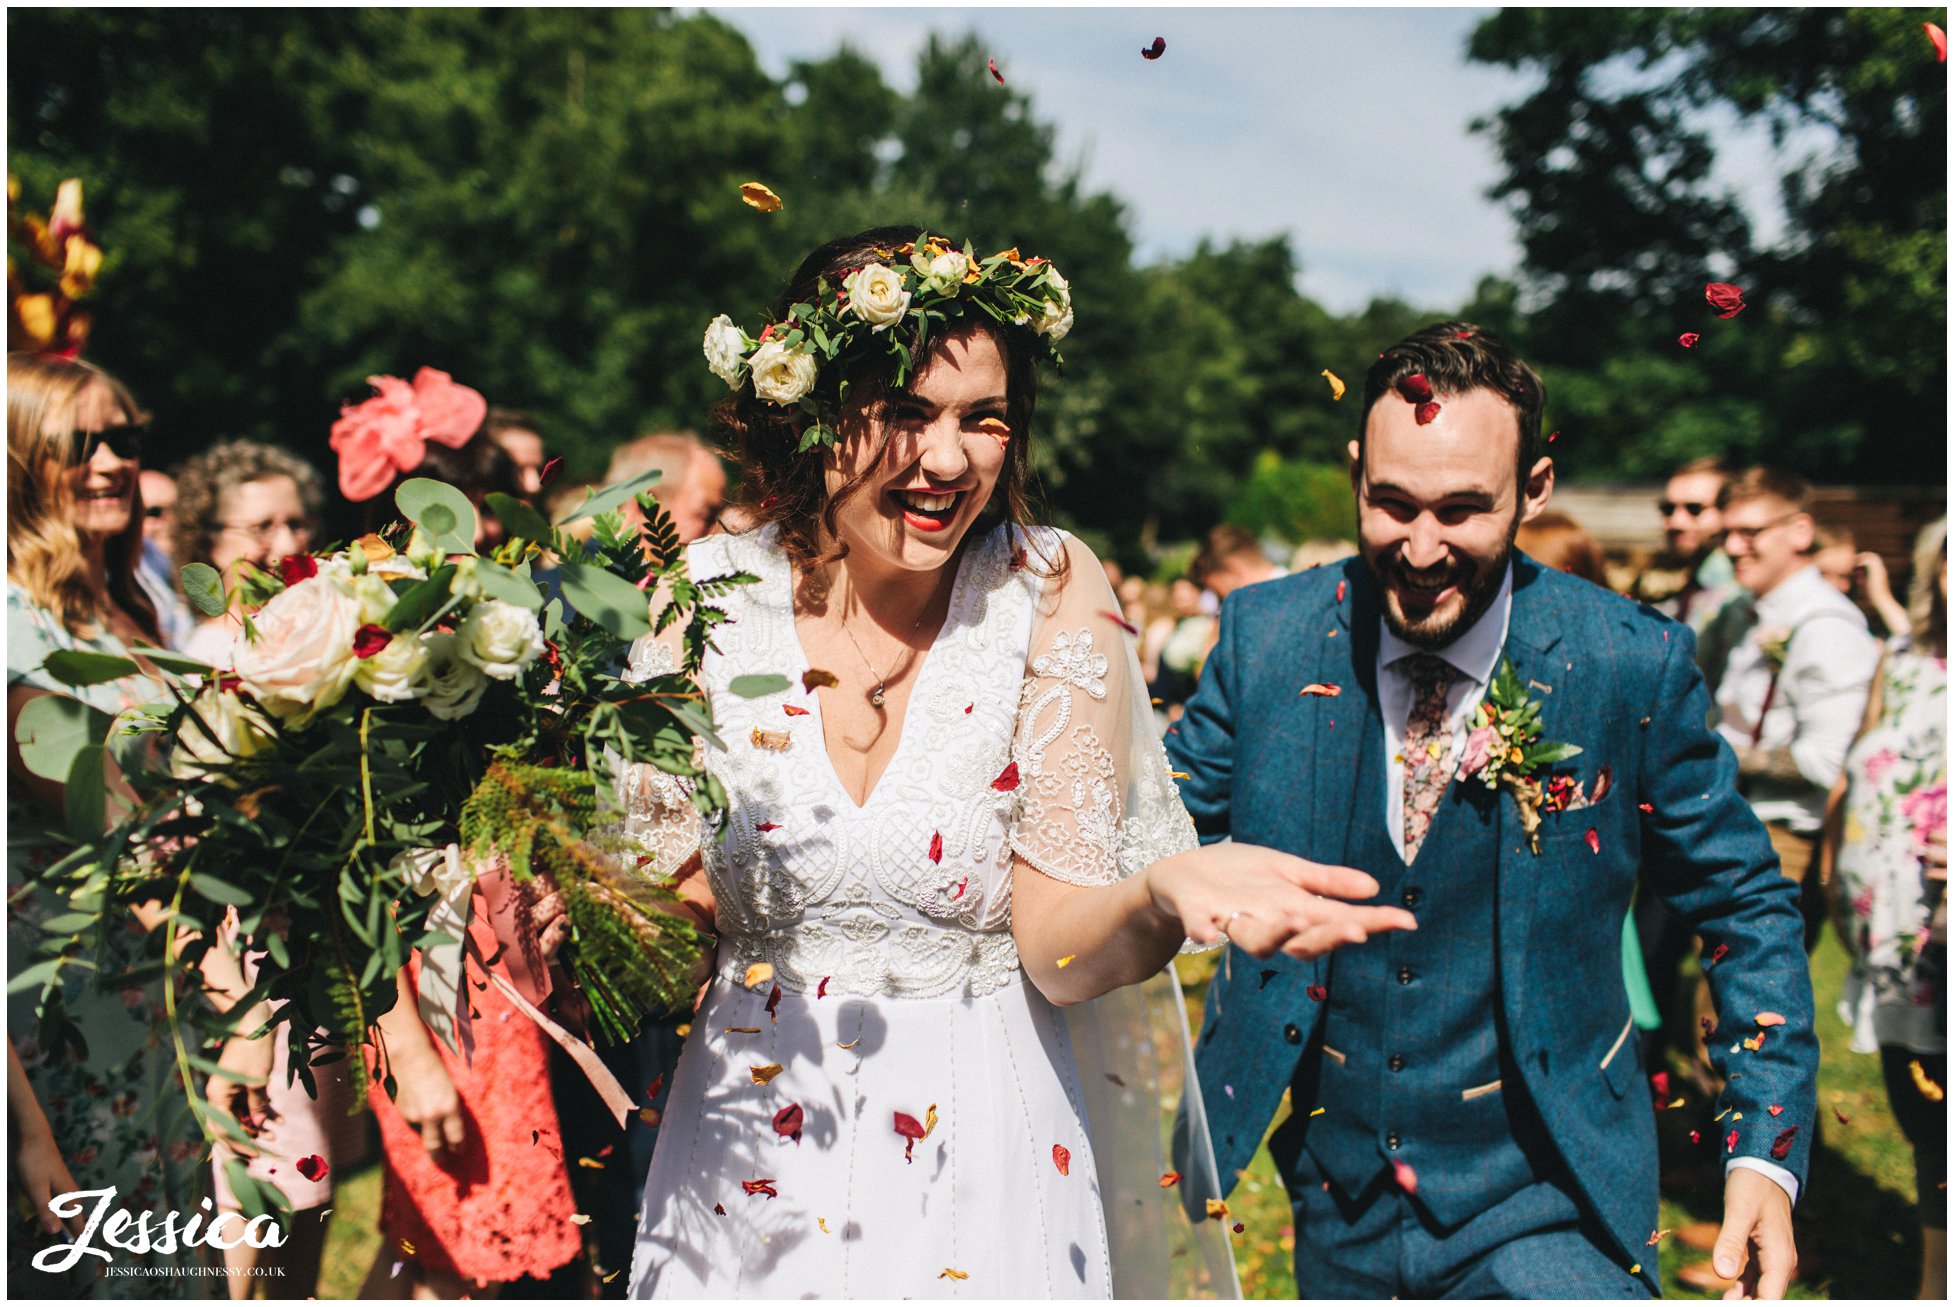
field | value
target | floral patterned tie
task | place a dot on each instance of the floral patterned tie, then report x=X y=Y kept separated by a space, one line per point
x=1426 y=742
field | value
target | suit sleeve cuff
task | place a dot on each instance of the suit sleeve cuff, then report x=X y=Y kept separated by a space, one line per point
x=1785 y=1180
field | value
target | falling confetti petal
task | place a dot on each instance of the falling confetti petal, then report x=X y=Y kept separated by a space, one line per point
x=1939 y=38
x=1769 y=1019
x=1159 y=47
x=821 y=990
x=1776 y=1110
x=994 y=73
x=952 y=1273
x=1425 y=414
x=1781 y=1146
x=1930 y=1091
x=1416 y=389
x=1730 y=1142
x=1319 y=1111
x=1066 y=961
x=911 y=1130
x=822 y=1221
x=1406 y=1177
x=1007 y=780
x=1696 y=1136
x=1238 y=1227
x=936 y=847
x=1655 y=1238
x=1336 y=385
x=758 y=974
x=788 y=1120
x=755 y=1187
x=590 y=1163
x=1340 y=590
x=930 y=1118
x=850 y=1044
x=1062 y=1159
x=1688 y=339
x=1170 y=1179
x=1593 y=838
x=651 y=1116
x=762 y=1074
x=1326 y=691
x=773 y=1004
x=314 y=1168
x=1843 y=1118
x=1217 y=1209
x=760 y=197
x=1552 y=436
x=1719 y=953
x=814 y=677
x=742 y=1030
x=579 y=1218
x=775 y=740
x=1726 y=299
x=1646 y=807
x=1635 y=1269
x=766 y=826
x=719 y=1208
x=1122 y=623
x=1317 y=993
x=793 y=710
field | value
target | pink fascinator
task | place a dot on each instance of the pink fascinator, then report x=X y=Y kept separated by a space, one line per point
x=386 y=436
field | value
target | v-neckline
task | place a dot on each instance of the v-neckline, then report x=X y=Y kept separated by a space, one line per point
x=925 y=663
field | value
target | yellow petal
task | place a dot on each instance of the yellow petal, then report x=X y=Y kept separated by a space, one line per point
x=850 y=1044
x=1319 y=1111
x=578 y=1218
x=760 y=197
x=1066 y=961
x=1336 y=384
x=929 y=1121
x=590 y=1163
x=758 y=974
x=375 y=549
x=78 y=274
x=1217 y=1209
x=823 y=1221
x=684 y=1030
x=35 y=316
x=762 y=1074
x=952 y=1273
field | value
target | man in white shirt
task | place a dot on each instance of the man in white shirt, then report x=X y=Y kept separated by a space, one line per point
x=1801 y=660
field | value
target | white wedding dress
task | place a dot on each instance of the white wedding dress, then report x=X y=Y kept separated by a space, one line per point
x=888 y=929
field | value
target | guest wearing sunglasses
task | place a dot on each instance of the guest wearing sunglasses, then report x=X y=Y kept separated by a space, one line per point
x=156 y=573
x=240 y=505
x=1693 y=578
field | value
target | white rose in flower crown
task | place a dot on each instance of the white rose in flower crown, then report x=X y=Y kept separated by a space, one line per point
x=500 y=638
x=943 y=273
x=780 y=374
x=876 y=295
x=303 y=659
x=230 y=729
x=454 y=685
x=397 y=673
x=1056 y=319
x=725 y=350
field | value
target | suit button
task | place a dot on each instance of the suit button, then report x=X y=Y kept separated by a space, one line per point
x=1292 y=1034
x=1391 y=1141
x=1404 y=975
x=1410 y=899
x=1396 y=1063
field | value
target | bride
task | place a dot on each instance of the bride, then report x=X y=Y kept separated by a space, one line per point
x=950 y=834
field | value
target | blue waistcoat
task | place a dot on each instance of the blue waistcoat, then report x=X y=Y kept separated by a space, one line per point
x=1409 y=1066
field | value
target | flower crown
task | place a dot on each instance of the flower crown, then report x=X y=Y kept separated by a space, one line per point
x=385 y=436
x=918 y=286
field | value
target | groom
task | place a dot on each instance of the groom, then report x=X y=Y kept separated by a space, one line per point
x=1468 y=1114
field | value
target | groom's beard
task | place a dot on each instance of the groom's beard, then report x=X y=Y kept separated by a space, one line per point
x=1478 y=585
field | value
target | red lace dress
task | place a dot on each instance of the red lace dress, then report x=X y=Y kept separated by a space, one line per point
x=499 y=1207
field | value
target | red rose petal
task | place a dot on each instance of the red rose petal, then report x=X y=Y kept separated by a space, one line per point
x=1416 y=389
x=1170 y=1179
x=1159 y=46
x=759 y=1187
x=1696 y=1136
x=1406 y=1177
x=1317 y=993
x=967 y=707
x=788 y=1120
x=1727 y=300
x=994 y=73
x=656 y=1085
x=793 y=710
x=1719 y=953
x=1781 y=1146
x=1939 y=38
x=962 y=885
x=719 y=1208
x=1646 y=807
x=821 y=990
x=911 y=1130
x=314 y=1168
x=1238 y=1227
x=1843 y=1118
x=294 y=568
x=370 y=640
x=1340 y=588
x=1122 y=623
x=1425 y=414
x=1659 y=1082
x=1007 y=780
x=767 y=825
x=1552 y=436
x=551 y=469
x=1062 y=1159
x=1326 y=691
x=1593 y=837
x=1730 y=1142
x=936 y=847
x=1775 y=1110
x=1688 y=339
x=773 y=1003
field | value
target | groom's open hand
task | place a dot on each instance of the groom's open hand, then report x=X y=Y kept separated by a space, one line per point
x=1755 y=1247
x=1266 y=902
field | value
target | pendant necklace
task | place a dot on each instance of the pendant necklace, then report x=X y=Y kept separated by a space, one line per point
x=879 y=695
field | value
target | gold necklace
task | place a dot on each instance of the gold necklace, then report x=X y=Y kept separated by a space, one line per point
x=879 y=695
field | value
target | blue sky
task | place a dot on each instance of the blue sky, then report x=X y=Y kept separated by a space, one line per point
x=1345 y=128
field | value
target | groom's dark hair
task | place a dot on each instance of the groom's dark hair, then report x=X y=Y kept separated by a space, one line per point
x=1456 y=357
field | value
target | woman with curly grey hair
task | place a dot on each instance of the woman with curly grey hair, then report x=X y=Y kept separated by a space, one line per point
x=240 y=504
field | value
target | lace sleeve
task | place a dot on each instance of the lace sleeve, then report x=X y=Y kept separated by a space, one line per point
x=1096 y=799
x=659 y=819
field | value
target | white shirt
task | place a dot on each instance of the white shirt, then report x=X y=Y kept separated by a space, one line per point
x=1475 y=654
x=1820 y=696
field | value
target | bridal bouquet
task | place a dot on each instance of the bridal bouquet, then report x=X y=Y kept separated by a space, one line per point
x=397 y=712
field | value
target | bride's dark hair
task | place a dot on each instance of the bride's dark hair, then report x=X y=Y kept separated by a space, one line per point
x=782 y=486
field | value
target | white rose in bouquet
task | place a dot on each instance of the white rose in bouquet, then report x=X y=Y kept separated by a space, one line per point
x=397 y=673
x=725 y=350
x=943 y=273
x=303 y=659
x=500 y=638
x=454 y=685
x=780 y=374
x=876 y=296
x=376 y=598
x=1056 y=319
x=224 y=727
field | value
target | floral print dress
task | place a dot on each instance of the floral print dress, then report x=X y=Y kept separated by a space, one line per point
x=101 y=1066
x=1896 y=793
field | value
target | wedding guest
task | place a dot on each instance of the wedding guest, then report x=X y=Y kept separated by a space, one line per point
x=475 y=1180
x=1801 y=662
x=94 y=1101
x=158 y=509
x=241 y=506
x=1232 y=558
x=1876 y=587
x=1836 y=557
x=691 y=486
x=1178 y=642
x=156 y=573
x=1693 y=577
x=1884 y=853
x=515 y=432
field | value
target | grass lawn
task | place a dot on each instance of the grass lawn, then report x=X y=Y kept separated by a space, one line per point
x=1859 y=1237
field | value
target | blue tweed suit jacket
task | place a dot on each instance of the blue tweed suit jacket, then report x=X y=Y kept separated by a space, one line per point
x=1265 y=765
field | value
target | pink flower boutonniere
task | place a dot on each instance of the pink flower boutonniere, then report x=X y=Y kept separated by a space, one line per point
x=386 y=435
x=1505 y=751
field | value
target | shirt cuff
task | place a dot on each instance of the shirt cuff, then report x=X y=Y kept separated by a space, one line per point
x=1785 y=1180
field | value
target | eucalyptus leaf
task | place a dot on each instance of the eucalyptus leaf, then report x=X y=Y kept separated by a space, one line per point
x=611 y=497
x=758 y=687
x=442 y=509
x=499 y=582
x=84 y=797
x=422 y=600
x=606 y=599
x=52 y=729
x=85 y=667
x=204 y=588
x=517 y=517
x=218 y=891
x=171 y=661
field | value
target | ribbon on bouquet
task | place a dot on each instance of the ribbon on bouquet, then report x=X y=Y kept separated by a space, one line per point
x=443 y=1001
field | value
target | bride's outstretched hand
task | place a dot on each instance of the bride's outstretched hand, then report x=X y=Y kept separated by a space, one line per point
x=1266 y=902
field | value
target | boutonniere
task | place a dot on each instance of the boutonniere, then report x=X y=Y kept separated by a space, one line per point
x=1775 y=643
x=1505 y=751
